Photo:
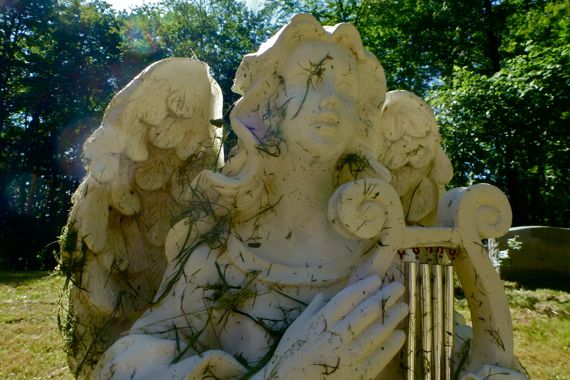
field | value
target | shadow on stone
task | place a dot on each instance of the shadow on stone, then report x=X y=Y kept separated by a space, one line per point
x=543 y=260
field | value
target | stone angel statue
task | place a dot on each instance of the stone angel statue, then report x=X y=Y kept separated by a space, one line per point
x=296 y=257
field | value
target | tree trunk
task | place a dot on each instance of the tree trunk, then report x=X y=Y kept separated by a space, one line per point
x=493 y=42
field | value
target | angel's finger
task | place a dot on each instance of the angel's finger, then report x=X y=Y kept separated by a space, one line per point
x=316 y=304
x=347 y=299
x=378 y=360
x=374 y=337
x=371 y=309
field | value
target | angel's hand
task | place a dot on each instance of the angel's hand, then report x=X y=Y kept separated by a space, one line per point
x=144 y=357
x=351 y=336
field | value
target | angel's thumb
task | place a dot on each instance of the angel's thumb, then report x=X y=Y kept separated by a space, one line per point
x=316 y=304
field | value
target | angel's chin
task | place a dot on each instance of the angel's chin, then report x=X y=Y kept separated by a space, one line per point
x=325 y=148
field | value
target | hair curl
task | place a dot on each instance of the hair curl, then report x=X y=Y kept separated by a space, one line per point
x=258 y=79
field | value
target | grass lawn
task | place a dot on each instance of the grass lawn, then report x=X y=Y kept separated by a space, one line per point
x=541 y=324
x=541 y=321
x=30 y=347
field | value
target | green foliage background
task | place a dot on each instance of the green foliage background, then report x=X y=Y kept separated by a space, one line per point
x=496 y=72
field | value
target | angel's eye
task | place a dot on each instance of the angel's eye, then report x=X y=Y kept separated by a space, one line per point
x=345 y=88
x=294 y=78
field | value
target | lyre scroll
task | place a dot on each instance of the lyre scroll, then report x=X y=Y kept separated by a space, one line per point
x=466 y=216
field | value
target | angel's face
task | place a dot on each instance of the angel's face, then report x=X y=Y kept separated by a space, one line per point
x=320 y=92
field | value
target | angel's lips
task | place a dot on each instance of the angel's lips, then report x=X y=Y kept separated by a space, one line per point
x=326 y=119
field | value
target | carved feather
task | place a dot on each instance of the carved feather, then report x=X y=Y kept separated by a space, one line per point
x=169 y=133
x=101 y=152
x=123 y=196
x=92 y=215
x=154 y=174
x=156 y=130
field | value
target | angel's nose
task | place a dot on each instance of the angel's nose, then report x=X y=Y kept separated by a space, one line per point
x=330 y=102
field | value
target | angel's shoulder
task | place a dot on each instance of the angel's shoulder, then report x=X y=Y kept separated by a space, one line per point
x=186 y=253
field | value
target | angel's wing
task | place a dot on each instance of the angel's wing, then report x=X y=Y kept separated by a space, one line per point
x=410 y=149
x=156 y=135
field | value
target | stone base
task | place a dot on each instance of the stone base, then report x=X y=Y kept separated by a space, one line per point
x=542 y=261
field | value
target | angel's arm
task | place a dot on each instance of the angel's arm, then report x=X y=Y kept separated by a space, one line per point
x=176 y=337
x=173 y=339
x=349 y=335
x=148 y=357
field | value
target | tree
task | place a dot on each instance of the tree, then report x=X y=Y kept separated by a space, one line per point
x=24 y=27
x=59 y=57
x=218 y=32
x=419 y=42
x=62 y=61
x=511 y=129
x=496 y=72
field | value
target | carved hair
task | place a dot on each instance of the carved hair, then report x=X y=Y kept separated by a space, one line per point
x=258 y=81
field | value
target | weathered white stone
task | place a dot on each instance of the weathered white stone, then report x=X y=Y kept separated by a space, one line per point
x=543 y=258
x=284 y=264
